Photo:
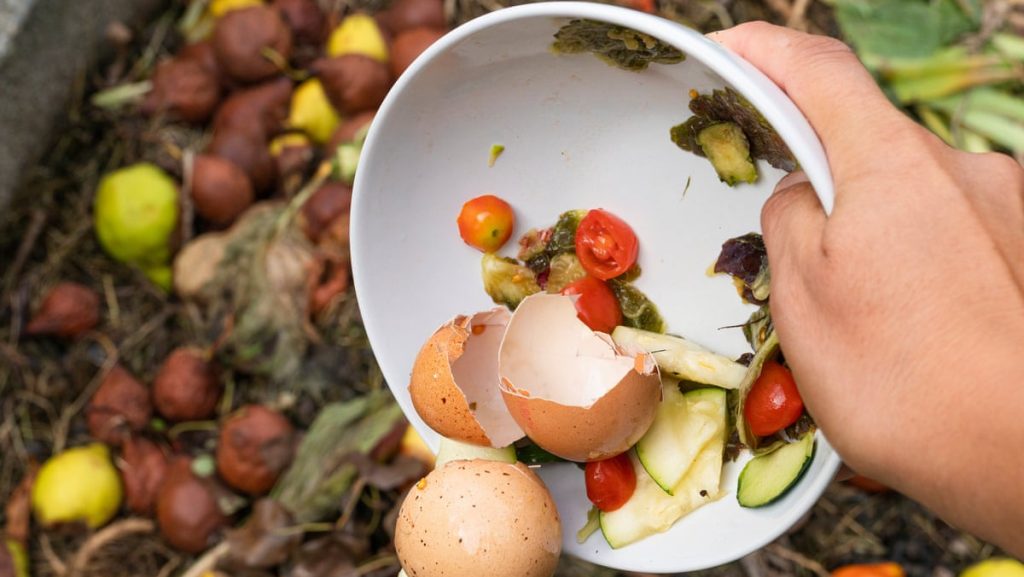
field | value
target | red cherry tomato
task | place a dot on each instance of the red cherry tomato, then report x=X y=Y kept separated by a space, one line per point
x=597 y=306
x=611 y=482
x=605 y=244
x=486 y=222
x=773 y=402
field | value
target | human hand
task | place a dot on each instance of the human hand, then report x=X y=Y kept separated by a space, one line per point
x=901 y=314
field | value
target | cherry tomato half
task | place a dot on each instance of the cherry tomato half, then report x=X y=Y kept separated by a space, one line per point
x=605 y=244
x=597 y=306
x=773 y=402
x=611 y=482
x=486 y=222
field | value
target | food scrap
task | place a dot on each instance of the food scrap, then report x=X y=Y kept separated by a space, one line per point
x=616 y=45
x=496 y=150
x=727 y=130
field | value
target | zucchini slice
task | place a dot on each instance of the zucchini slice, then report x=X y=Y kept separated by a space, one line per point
x=452 y=450
x=727 y=148
x=766 y=478
x=682 y=359
x=683 y=426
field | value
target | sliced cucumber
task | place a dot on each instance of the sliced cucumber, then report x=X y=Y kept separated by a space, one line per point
x=683 y=426
x=651 y=510
x=682 y=359
x=457 y=451
x=767 y=477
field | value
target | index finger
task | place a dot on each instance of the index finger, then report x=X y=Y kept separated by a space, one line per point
x=827 y=83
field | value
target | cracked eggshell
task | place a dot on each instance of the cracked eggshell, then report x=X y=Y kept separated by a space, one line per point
x=454 y=383
x=571 y=389
x=479 y=518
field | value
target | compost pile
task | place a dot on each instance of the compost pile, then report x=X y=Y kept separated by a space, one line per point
x=185 y=385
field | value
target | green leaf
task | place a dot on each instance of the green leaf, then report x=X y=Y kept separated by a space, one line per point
x=905 y=28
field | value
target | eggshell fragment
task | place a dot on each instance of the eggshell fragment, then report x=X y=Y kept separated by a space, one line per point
x=454 y=384
x=479 y=518
x=571 y=389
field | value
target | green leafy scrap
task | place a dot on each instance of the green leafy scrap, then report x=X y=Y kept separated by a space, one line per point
x=616 y=45
x=727 y=105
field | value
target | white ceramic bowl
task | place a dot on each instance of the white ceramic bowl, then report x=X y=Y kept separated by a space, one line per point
x=578 y=134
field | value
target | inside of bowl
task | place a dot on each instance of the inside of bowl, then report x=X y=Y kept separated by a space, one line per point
x=577 y=133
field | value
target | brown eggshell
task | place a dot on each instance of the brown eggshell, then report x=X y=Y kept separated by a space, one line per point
x=187 y=387
x=183 y=88
x=242 y=37
x=260 y=110
x=330 y=201
x=403 y=15
x=571 y=389
x=353 y=82
x=220 y=190
x=68 y=310
x=187 y=511
x=247 y=151
x=255 y=445
x=120 y=406
x=409 y=45
x=305 y=19
x=479 y=518
x=143 y=468
x=350 y=127
x=454 y=383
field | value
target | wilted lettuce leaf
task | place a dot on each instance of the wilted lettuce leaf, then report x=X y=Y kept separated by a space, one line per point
x=905 y=28
x=745 y=259
x=728 y=105
x=758 y=326
x=616 y=45
x=637 y=310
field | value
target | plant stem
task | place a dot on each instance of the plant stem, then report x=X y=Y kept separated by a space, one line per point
x=934 y=122
x=946 y=84
x=122 y=94
x=987 y=99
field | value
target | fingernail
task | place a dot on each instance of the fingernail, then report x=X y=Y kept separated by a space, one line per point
x=792 y=179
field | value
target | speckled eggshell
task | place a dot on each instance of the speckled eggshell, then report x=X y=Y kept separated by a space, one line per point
x=479 y=518
x=454 y=382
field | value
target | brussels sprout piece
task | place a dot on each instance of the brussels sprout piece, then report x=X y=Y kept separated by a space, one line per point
x=506 y=281
x=727 y=105
x=565 y=269
x=727 y=148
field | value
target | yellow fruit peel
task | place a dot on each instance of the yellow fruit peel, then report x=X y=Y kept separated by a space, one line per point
x=358 y=34
x=77 y=485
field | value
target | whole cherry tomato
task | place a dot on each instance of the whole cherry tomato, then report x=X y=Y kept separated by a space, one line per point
x=611 y=482
x=605 y=244
x=597 y=306
x=774 y=402
x=486 y=222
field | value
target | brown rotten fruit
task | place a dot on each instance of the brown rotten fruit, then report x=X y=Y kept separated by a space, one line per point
x=120 y=406
x=68 y=310
x=261 y=109
x=143 y=468
x=248 y=151
x=329 y=202
x=255 y=446
x=245 y=42
x=187 y=511
x=183 y=88
x=187 y=387
x=305 y=19
x=353 y=83
x=410 y=44
x=220 y=190
x=403 y=15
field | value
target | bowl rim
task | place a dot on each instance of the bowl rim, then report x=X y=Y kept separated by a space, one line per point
x=742 y=76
